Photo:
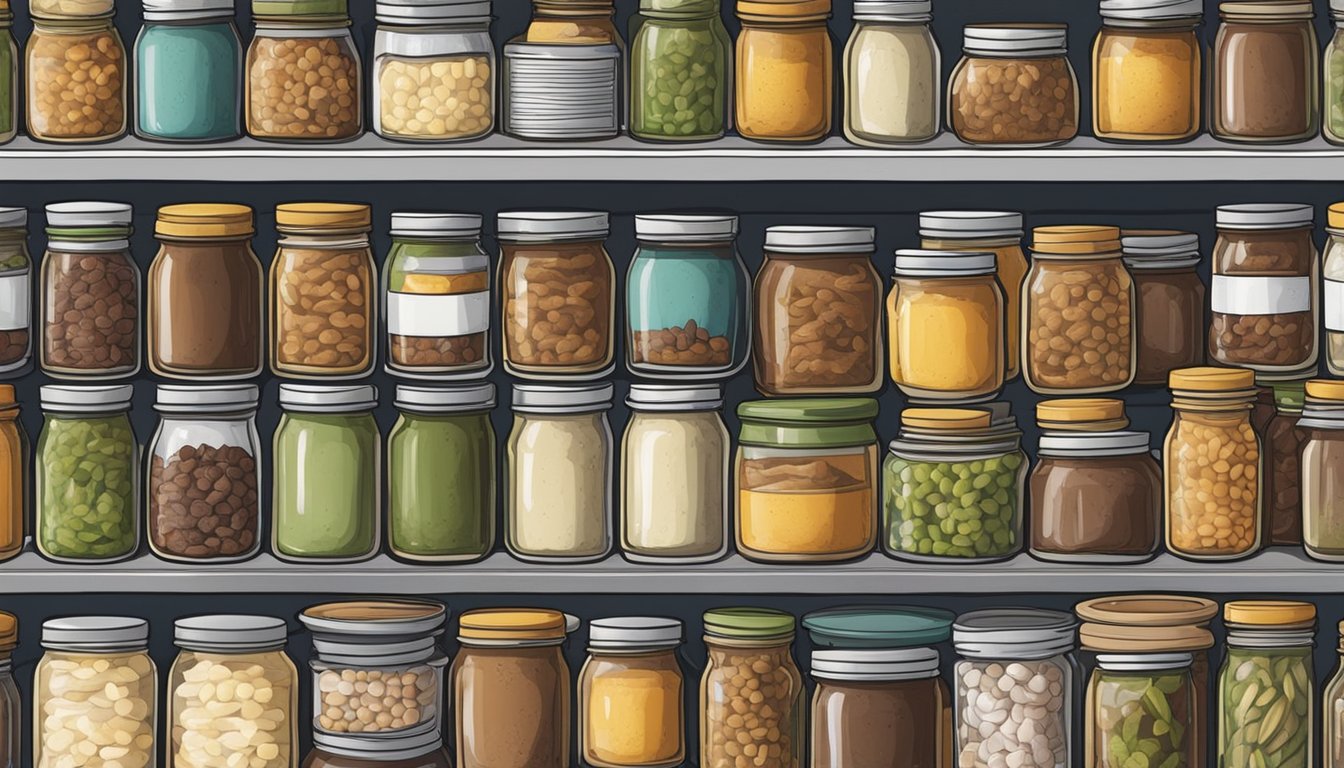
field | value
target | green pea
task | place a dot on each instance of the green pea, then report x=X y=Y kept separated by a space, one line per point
x=87 y=497
x=679 y=78
x=974 y=506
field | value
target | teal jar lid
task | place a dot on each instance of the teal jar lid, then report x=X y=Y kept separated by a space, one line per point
x=300 y=8
x=748 y=623
x=808 y=423
x=879 y=627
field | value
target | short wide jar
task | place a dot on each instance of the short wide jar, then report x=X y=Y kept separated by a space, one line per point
x=632 y=694
x=304 y=81
x=1014 y=86
x=1146 y=70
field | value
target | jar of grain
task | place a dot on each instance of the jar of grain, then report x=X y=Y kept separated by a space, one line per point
x=632 y=694
x=1014 y=86
x=323 y=306
x=1211 y=462
x=1332 y=299
x=16 y=280
x=783 y=70
x=573 y=22
x=304 y=81
x=1170 y=302
x=9 y=76
x=893 y=74
x=1322 y=469
x=1266 y=72
x=15 y=458
x=1146 y=70
x=752 y=698
x=76 y=73
x=1281 y=446
x=1268 y=659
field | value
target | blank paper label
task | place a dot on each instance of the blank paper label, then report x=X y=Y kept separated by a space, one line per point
x=1232 y=295
x=414 y=314
x=1334 y=305
x=13 y=302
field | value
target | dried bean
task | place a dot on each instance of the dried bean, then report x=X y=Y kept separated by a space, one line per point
x=1012 y=714
x=98 y=711
x=76 y=85
x=557 y=305
x=303 y=88
x=1078 y=326
x=1280 y=339
x=1212 y=477
x=92 y=312
x=446 y=98
x=819 y=325
x=374 y=700
x=751 y=700
x=323 y=311
x=87 y=486
x=1014 y=101
x=686 y=345
x=203 y=502
x=960 y=509
x=233 y=712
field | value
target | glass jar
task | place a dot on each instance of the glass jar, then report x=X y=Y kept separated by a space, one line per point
x=232 y=694
x=437 y=282
x=16 y=275
x=433 y=71
x=1332 y=269
x=893 y=74
x=1333 y=706
x=1015 y=656
x=557 y=293
x=11 y=705
x=327 y=474
x=1213 y=502
x=88 y=475
x=945 y=326
x=441 y=474
x=1265 y=84
x=1269 y=646
x=818 y=301
x=71 y=40
x=1141 y=703
x=1077 y=314
x=1333 y=85
x=284 y=101
x=1281 y=483
x=1081 y=414
x=783 y=70
x=205 y=294
x=1014 y=86
x=1264 y=293
x=573 y=22
x=189 y=72
x=90 y=293
x=85 y=656
x=806 y=479
x=755 y=645
x=558 y=507
x=932 y=509
x=511 y=689
x=632 y=694
x=421 y=750
x=323 y=306
x=9 y=75
x=1146 y=71
x=686 y=299
x=1322 y=469
x=674 y=475
x=1170 y=295
x=676 y=42
x=996 y=232
x=14 y=464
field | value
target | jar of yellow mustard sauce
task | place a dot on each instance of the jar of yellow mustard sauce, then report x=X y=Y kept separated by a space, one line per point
x=631 y=694
x=1146 y=70
x=783 y=70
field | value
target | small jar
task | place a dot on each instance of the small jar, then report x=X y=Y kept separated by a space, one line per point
x=560 y=455
x=573 y=22
x=1169 y=312
x=1014 y=86
x=945 y=324
x=189 y=72
x=15 y=459
x=89 y=257
x=441 y=474
x=421 y=750
x=818 y=303
x=327 y=474
x=783 y=70
x=893 y=74
x=675 y=39
x=11 y=705
x=1332 y=270
x=1322 y=469
x=1332 y=736
x=70 y=39
x=293 y=37
x=686 y=299
x=1281 y=481
x=1071 y=415
x=807 y=479
x=9 y=76
x=1333 y=126
x=557 y=292
x=674 y=475
x=433 y=71
x=205 y=294
x=1269 y=649
x=323 y=304
x=437 y=282
x=632 y=694
x=16 y=279
x=1077 y=313
x=88 y=475
x=84 y=656
x=756 y=646
x=1141 y=701
x=232 y=693
x=1146 y=70
x=1265 y=84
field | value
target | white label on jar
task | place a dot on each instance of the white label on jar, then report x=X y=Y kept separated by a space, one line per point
x=1236 y=295
x=1334 y=305
x=14 y=302
x=417 y=314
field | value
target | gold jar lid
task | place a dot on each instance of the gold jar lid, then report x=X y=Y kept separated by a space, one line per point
x=784 y=9
x=1082 y=414
x=1268 y=9
x=1269 y=613
x=1207 y=379
x=204 y=220
x=1148 y=610
x=1334 y=216
x=1325 y=389
x=1117 y=638
x=512 y=624
x=324 y=216
x=7 y=396
x=945 y=418
x=1076 y=240
x=9 y=628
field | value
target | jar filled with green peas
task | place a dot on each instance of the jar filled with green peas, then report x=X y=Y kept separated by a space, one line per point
x=679 y=71
x=87 y=475
x=1265 y=696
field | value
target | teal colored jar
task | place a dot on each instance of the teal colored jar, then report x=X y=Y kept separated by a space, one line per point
x=327 y=459
x=188 y=72
x=441 y=474
x=679 y=71
x=9 y=74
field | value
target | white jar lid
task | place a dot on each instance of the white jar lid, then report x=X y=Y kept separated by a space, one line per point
x=808 y=239
x=874 y=664
x=547 y=398
x=679 y=228
x=89 y=214
x=1014 y=633
x=1151 y=10
x=230 y=633
x=13 y=218
x=473 y=397
x=97 y=634
x=937 y=225
x=916 y=262
x=893 y=10
x=412 y=223
x=414 y=12
x=543 y=225
x=1098 y=444
x=379 y=747
x=71 y=398
x=1265 y=215
x=632 y=632
x=1144 y=662
x=1001 y=39
x=176 y=398
x=1159 y=249
x=185 y=10
x=327 y=398
x=672 y=397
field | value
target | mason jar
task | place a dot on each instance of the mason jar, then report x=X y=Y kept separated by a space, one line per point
x=1322 y=469
x=11 y=705
x=631 y=693
x=1169 y=298
x=753 y=645
x=1147 y=71
x=1144 y=703
x=15 y=490
x=782 y=71
x=677 y=42
x=893 y=74
x=1269 y=650
x=1332 y=270
x=1251 y=100
x=16 y=279
x=285 y=102
x=189 y=72
x=1038 y=107
x=69 y=38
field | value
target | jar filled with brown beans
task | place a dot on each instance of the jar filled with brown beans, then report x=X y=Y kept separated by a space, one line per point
x=304 y=79
x=323 y=303
x=1014 y=86
x=76 y=73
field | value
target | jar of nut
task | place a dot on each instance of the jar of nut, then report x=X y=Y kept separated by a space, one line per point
x=433 y=70
x=1014 y=86
x=304 y=81
x=9 y=75
x=1077 y=314
x=323 y=303
x=16 y=277
x=1169 y=296
x=76 y=72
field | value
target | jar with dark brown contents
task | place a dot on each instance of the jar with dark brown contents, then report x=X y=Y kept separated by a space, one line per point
x=1281 y=440
x=751 y=695
x=16 y=275
x=421 y=750
x=1169 y=295
x=304 y=80
x=1014 y=86
x=1266 y=72
x=90 y=293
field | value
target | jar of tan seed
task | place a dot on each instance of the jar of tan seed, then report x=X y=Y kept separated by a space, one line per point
x=751 y=695
x=76 y=72
x=1014 y=86
x=303 y=80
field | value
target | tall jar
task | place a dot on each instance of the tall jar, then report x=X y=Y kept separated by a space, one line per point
x=1332 y=729
x=893 y=74
x=674 y=475
x=205 y=294
x=1266 y=70
x=1333 y=86
x=1269 y=649
x=15 y=458
x=678 y=42
x=783 y=70
x=560 y=455
x=76 y=73
x=1146 y=70
x=1169 y=296
x=1014 y=86
x=1332 y=270
x=421 y=750
x=437 y=282
x=304 y=81
x=632 y=703
x=441 y=474
x=756 y=646
x=323 y=303
x=573 y=22
x=189 y=72
x=90 y=293
x=1144 y=704
x=16 y=278
x=9 y=75
x=1322 y=469
x=232 y=664
x=686 y=299
x=88 y=475
x=1281 y=442
x=327 y=475
x=818 y=303
x=11 y=706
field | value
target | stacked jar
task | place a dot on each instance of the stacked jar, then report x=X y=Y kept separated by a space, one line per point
x=189 y=72
x=16 y=276
x=1169 y=302
x=304 y=80
x=1014 y=86
x=680 y=71
x=1322 y=469
x=1265 y=72
x=1266 y=692
x=1146 y=70
x=783 y=70
x=76 y=73
x=751 y=694
x=632 y=694
x=893 y=74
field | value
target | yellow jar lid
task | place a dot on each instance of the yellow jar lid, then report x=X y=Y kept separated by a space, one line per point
x=945 y=418
x=512 y=624
x=1291 y=9
x=1325 y=389
x=1080 y=410
x=1209 y=379
x=1076 y=240
x=9 y=630
x=1268 y=613
x=1334 y=216
x=784 y=9
x=335 y=216
x=204 y=220
x=7 y=395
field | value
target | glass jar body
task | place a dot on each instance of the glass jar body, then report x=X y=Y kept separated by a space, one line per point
x=11 y=718
x=9 y=83
x=263 y=733
x=632 y=710
x=16 y=318
x=14 y=461
x=662 y=106
x=1333 y=86
x=1281 y=485
x=326 y=496
x=1010 y=263
x=1322 y=471
x=1077 y=331
x=323 y=758
x=1264 y=299
x=87 y=488
x=946 y=337
x=781 y=709
x=1224 y=521
x=559 y=487
x=1332 y=299
x=438 y=308
x=332 y=109
x=881 y=724
x=1143 y=711
x=347 y=698
x=674 y=486
x=189 y=80
x=69 y=684
x=1013 y=101
x=1282 y=677
x=434 y=84
x=441 y=487
x=83 y=338
x=1146 y=81
x=572 y=281
x=1049 y=710
x=58 y=105
x=1171 y=324
x=1096 y=508
x=323 y=307
x=1332 y=729
x=1265 y=84
x=512 y=706
x=783 y=76
x=893 y=83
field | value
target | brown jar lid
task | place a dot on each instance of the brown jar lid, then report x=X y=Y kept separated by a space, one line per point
x=1275 y=9
x=1334 y=216
x=205 y=220
x=1114 y=638
x=7 y=396
x=512 y=624
x=1209 y=379
x=784 y=9
x=1076 y=240
x=324 y=216
x=1148 y=610
x=945 y=418
x=1083 y=414
x=9 y=630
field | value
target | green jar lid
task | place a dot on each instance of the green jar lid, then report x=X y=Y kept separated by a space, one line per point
x=818 y=423
x=1290 y=395
x=748 y=623
x=680 y=6
x=300 y=8
x=879 y=627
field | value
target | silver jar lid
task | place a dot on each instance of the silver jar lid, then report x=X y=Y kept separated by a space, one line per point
x=1159 y=249
x=472 y=397
x=1094 y=444
x=1264 y=215
x=428 y=12
x=1014 y=633
x=673 y=228
x=809 y=239
x=89 y=214
x=673 y=397
x=970 y=225
x=541 y=226
x=73 y=398
x=859 y=664
x=13 y=218
x=917 y=262
x=318 y=398
x=379 y=748
x=548 y=398
x=1015 y=39
x=187 y=10
x=95 y=634
x=176 y=398
x=418 y=224
x=893 y=10
x=230 y=633
x=1144 y=662
x=1151 y=10
x=628 y=633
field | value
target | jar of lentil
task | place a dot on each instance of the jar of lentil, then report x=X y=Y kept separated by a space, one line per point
x=754 y=645
x=189 y=72
x=783 y=70
x=1077 y=314
x=16 y=276
x=573 y=22
x=818 y=301
x=557 y=287
x=1322 y=469
x=1265 y=84
x=678 y=42
x=1281 y=444
x=632 y=694
x=323 y=306
x=11 y=706
x=1332 y=299
x=1266 y=684
x=1141 y=703
x=1146 y=70
x=9 y=75
x=893 y=74
x=1170 y=302
x=420 y=750
x=76 y=73
x=1333 y=85
x=1264 y=291
x=1081 y=414
x=304 y=79
x=14 y=461
x=1014 y=86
